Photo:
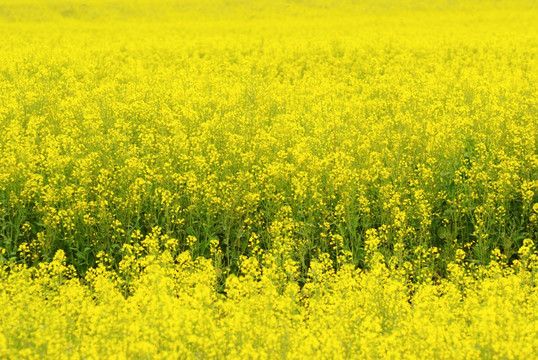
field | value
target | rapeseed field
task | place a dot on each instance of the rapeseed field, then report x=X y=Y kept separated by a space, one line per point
x=297 y=179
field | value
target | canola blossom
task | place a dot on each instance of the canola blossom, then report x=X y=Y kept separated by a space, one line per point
x=268 y=179
x=161 y=307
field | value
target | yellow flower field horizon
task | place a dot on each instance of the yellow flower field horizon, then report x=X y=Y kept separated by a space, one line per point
x=268 y=179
